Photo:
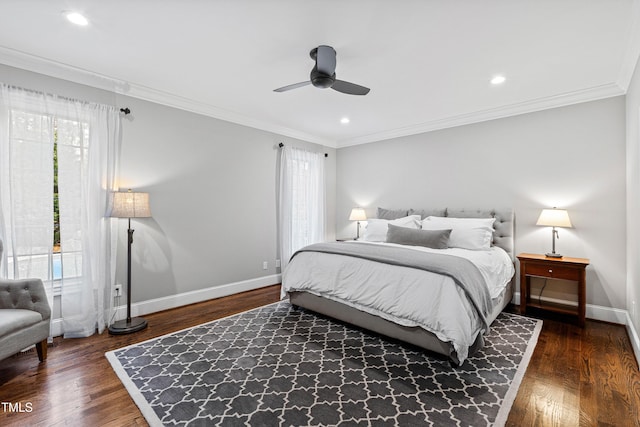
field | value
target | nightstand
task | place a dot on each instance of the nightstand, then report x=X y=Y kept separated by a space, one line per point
x=565 y=268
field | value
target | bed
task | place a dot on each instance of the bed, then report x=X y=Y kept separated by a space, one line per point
x=426 y=296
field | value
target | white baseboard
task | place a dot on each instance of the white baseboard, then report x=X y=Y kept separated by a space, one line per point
x=606 y=314
x=159 y=304
x=186 y=298
x=633 y=336
x=595 y=312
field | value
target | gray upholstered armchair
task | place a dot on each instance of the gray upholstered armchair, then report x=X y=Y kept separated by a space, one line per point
x=25 y=316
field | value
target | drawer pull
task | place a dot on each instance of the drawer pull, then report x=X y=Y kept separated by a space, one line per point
x=550 y=271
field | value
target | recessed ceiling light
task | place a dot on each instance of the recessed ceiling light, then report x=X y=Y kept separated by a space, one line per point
x=77 y=18
x=498 y=80
x=344 y=120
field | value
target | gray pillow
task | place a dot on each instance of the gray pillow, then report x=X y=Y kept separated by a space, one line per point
x=428 y=212
x=383 y=213
x=435 y=239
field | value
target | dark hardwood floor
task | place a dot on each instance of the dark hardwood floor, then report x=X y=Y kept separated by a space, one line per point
x=577 y=377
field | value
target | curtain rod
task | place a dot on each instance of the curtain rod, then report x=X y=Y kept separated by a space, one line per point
x=65 y=98
x=124 y=110
x=282 y=145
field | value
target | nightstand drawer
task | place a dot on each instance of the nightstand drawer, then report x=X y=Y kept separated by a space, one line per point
x=554 y=272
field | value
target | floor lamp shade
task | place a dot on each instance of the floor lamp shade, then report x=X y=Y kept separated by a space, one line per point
x=129 y=205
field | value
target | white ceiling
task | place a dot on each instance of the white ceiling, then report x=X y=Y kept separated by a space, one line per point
x=428 y=62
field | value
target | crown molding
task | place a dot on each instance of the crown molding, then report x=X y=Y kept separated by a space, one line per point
x=590 y=94
x=159 y=97
x=36 y=64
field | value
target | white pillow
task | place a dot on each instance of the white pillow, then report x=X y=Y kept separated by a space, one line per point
x=376 y=230
x=466 y=233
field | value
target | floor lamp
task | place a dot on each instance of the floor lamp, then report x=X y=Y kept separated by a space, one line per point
x=129 y=205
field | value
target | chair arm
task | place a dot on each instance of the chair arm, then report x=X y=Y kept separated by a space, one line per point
x=25 y=294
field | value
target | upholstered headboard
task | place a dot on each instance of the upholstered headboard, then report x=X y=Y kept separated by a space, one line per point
x=504 y=226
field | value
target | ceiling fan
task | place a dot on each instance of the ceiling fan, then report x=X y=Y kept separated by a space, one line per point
x=323 y=74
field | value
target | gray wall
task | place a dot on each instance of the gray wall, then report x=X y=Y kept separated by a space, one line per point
x=633 y=199
x=571 y=157
x=212 y=188
x=213 y=196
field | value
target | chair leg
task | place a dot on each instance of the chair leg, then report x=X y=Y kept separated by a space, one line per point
x=41 y=348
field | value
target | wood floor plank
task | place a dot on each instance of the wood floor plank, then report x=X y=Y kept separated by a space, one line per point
x=576 y=377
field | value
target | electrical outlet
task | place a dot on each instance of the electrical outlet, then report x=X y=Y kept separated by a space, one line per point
x=265 y=265
x=117 y=290
x=278 y=263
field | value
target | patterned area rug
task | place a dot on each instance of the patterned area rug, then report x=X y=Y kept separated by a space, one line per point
x=278 y=366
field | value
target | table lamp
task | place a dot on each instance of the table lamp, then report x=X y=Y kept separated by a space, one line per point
x=554 y=218
x=357 y=214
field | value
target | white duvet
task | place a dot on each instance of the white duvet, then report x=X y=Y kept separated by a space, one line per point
x=403 y=295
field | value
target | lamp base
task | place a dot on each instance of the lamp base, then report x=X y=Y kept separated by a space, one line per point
x=122 y=327
x=553 y=255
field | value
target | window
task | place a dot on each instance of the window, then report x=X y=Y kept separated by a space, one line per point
x=31 y=135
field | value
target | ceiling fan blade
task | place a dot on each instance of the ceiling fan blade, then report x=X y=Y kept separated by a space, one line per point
x=326 y=60
x=349 y=88
x=293 y=86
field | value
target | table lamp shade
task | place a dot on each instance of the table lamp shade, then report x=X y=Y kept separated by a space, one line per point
x=357 y=214
x=130 y=205
x=554 y=218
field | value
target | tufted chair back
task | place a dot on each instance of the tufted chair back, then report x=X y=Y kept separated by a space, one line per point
x=29 y=296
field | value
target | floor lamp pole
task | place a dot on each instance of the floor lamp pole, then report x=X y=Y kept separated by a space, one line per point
x=129 y=243
x=135 y=324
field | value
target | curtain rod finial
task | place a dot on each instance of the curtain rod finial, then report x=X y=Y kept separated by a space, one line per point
x=125 y=110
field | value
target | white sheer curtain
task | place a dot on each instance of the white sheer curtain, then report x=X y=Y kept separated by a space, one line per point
x=301 y=200
x=86 y=138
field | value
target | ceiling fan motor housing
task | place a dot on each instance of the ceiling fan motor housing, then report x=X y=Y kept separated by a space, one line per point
x=322 y=80
x=323 y=74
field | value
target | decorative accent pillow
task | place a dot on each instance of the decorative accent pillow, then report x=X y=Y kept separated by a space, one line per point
x=466 y=233
x=376 y=230
x=435 y=239
x=383 y=213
